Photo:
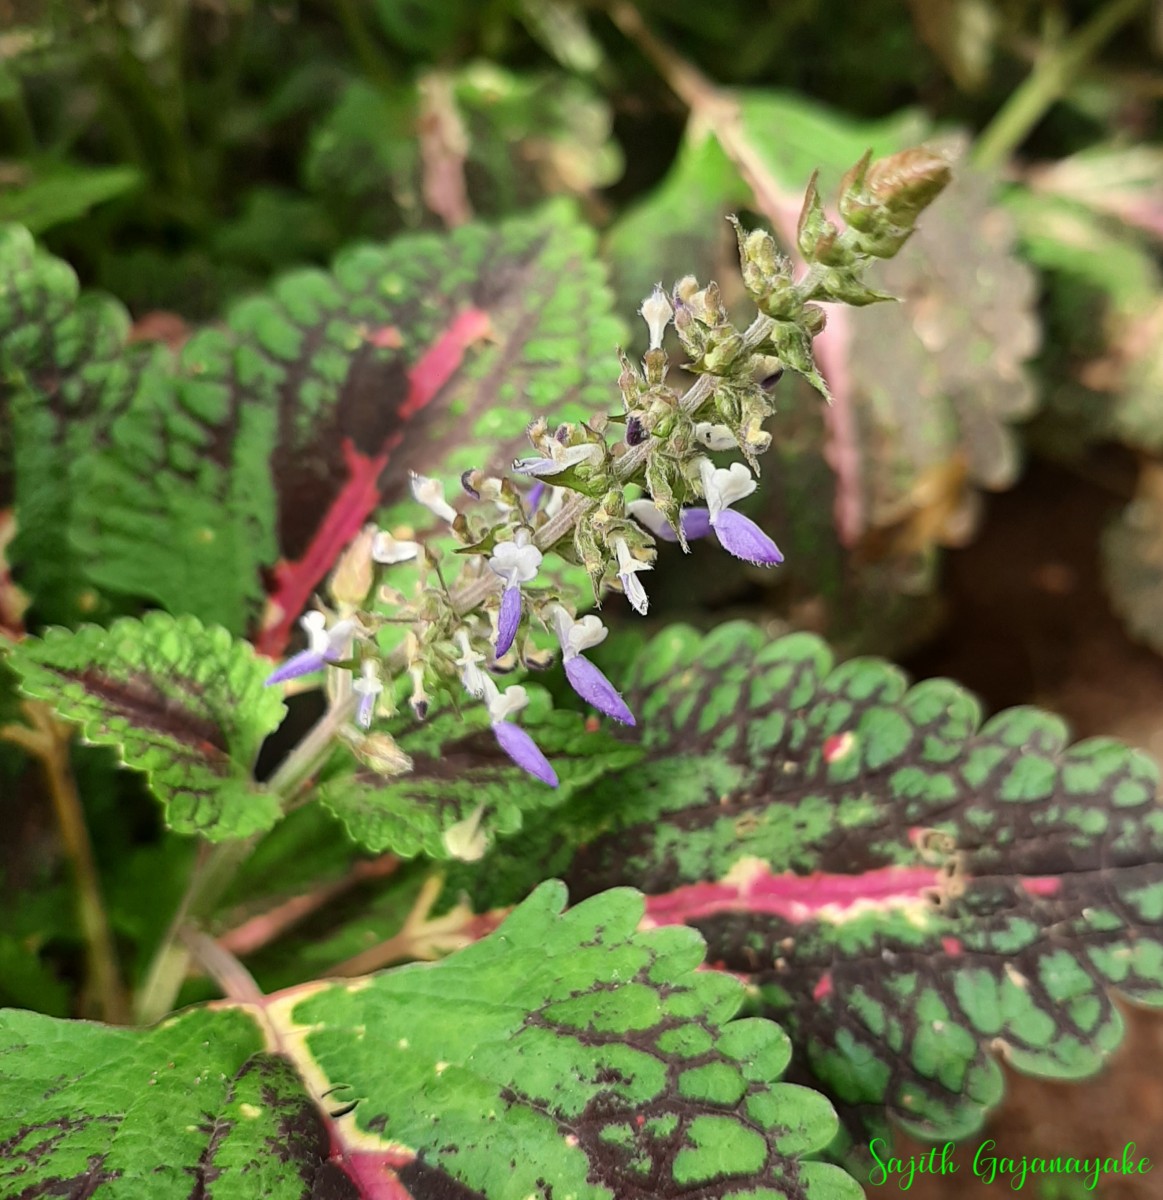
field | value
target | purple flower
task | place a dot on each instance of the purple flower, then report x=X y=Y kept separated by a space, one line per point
x=515 y=562
x=515 y=742
x=323 y=646
x=696 y=522
x=737 y=534
x=535 y=496
x=585 y=679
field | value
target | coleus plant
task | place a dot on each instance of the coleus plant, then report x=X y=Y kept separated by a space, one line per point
x=807 y=821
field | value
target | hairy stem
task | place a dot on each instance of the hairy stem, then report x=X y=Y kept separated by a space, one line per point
x=1048 y=82
x=49 y=740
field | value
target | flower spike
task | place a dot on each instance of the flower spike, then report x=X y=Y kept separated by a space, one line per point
x=737 y=534
x=585 y=679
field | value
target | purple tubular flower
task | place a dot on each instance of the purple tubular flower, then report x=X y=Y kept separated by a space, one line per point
x=595 y=689
x=323 y=646
x=536 y=495
x=740 y=536
x=522 y=749
x=302 y=663
x=509 y=619
x=737 y=534
x=696 y=522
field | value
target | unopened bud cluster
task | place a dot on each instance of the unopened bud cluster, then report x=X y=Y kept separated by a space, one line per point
x=604 y=501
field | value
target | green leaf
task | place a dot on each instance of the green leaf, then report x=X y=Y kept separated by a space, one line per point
x=458 y=768
x=267 y=444
x=911 y=891
x=57 y=193
x=183 y=703
x=567 y=1054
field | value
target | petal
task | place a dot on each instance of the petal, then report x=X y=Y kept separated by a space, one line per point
x=521 y=748
x=595 y=689
x=696 y=523
x=367 y=708
x=635 y=592
x=740 y=536
x=509 y=619
x=302 y=663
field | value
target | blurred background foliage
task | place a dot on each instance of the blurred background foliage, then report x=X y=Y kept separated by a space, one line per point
x=179 y=153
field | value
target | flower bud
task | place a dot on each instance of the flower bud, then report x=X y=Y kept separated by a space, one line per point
x=684 y=289
x=813 y=319
x=354 y=573
x=378 y=751
x=656 y=312
x=723 y=353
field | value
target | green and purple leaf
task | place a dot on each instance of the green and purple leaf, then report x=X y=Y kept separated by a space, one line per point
x=911 y=892
x=458 y=768
x=183 y=703
x=568 y=1054
x=244 y=466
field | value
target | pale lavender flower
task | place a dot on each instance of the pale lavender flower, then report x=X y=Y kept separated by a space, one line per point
x=515 y=562
x=368 y=688
x=628 y=569
x=430 y=493
x=562 y=458
x=515 y=742
x=585 y=679
x=737 y=534
x=469 y=662
x=323 y=646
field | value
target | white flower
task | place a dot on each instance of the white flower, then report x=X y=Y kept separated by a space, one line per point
x=388 y=550
x=715 y=437
x=723 y=488
x=473 y=678
x=430 y=493
x=516 y=561
x=577 y=636
x=656 y=312
x=628 y=568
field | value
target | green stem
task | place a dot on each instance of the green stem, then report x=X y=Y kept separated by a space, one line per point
x=1050 y=79
x=218 y=865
